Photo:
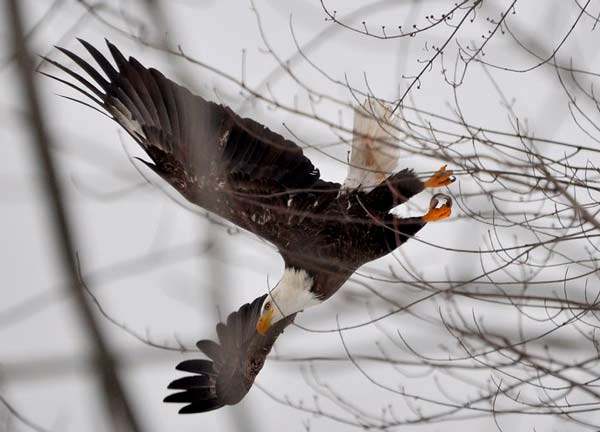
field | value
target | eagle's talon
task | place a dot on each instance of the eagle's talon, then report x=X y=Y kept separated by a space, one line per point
x=435 y=200
x=441 y=177
x=436 y=213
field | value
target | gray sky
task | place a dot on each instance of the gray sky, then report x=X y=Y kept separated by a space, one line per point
x=165 y=272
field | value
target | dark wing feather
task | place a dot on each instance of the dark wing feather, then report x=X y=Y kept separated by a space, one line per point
x=232 y=166
x=234 y=362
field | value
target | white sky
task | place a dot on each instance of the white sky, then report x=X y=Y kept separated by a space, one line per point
x=43 y=360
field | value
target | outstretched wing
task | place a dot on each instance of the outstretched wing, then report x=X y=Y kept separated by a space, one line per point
x=234 y=362
x=229 y=165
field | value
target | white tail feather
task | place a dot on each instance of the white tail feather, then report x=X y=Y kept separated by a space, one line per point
x=374 y=146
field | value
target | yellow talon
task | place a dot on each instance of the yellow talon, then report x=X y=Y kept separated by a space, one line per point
x=436 y=213
x=441 y=177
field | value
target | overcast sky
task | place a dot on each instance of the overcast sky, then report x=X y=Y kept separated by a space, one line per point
x=166 y=272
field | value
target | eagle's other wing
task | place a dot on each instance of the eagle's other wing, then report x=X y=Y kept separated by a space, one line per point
x=232 y=166
x=234 y=362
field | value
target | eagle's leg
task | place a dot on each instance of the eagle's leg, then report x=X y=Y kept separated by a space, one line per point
x=441 y=177
x=393 y=191
x=436 y=213
x=398 y=230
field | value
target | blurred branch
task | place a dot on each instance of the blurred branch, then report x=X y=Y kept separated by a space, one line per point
x=116 y=401
x=21 y=417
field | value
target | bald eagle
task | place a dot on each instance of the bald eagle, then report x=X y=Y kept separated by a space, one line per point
x=260 y=181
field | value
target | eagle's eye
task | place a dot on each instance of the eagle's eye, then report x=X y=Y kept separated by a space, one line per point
x=267 y=306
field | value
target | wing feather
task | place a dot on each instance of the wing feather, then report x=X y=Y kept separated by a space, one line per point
x=235 y=361
x=231 y=166
x=108 y=69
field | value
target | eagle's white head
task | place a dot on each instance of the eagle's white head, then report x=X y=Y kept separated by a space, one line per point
x=291 y=294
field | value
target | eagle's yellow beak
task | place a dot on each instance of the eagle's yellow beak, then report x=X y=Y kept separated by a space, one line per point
x=264 y=322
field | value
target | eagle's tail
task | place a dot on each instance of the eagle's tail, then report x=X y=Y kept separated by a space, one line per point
x=374 y=146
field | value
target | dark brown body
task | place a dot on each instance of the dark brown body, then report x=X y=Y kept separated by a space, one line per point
x=323 y=231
